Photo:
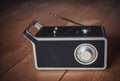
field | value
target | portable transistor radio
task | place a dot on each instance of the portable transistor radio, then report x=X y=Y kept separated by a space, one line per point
x=68 y=47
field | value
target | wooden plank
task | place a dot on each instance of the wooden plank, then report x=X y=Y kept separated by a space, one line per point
x=25 y=71
x=112 y=24
x=12 y=42
x=88 y=13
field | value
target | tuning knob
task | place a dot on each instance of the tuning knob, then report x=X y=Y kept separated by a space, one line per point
x=55 y=31
x=85 y=54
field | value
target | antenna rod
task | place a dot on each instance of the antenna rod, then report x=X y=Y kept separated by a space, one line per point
x=63 y=18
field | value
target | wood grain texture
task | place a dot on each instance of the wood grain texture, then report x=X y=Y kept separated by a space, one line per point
x=16 y=57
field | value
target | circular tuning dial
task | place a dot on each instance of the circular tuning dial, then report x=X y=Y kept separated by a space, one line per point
x=85 y=54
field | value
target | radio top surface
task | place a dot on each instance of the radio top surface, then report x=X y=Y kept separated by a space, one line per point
x=71 y=31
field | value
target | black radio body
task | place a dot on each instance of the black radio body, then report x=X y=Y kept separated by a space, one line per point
x=68 y=47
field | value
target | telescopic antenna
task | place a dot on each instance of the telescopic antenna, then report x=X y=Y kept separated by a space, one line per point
x=63 y=18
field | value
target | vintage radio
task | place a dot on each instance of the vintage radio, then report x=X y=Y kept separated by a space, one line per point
x=68 y=47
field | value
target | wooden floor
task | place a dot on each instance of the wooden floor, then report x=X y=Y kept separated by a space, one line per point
x=16 y=57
